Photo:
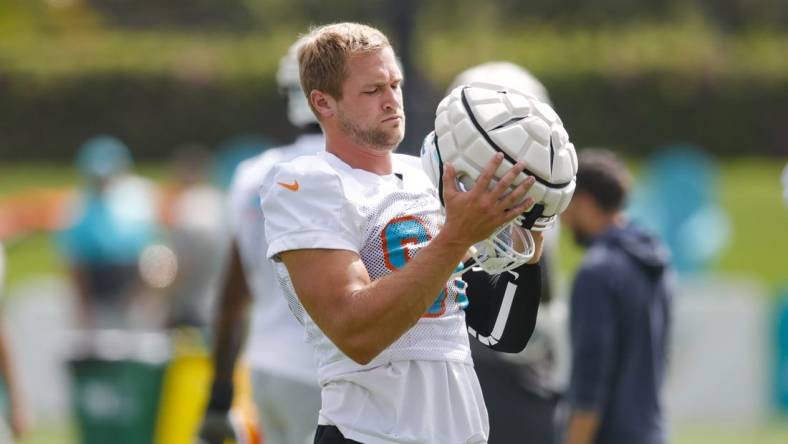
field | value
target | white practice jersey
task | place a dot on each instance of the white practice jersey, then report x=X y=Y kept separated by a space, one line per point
x=276 y=341
x=422 y=388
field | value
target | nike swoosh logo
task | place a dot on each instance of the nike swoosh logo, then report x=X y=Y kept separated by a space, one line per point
x=290 y=186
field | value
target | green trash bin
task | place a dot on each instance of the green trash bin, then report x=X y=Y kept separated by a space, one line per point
x=116 y=387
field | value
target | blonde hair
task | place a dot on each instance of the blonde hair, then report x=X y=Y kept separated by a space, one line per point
x=323 y=55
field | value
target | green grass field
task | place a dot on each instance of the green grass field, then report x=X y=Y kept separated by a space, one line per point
x=751 y=194
x=35 y=254
x=774 y=433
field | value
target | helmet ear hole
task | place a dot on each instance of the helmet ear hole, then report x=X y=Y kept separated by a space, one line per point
x=464 y=183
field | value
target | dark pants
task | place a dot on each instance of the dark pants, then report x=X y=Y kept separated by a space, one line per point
x=331 y=435
x=517 y=415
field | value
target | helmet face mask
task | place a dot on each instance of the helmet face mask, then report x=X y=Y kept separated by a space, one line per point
x=476 y=121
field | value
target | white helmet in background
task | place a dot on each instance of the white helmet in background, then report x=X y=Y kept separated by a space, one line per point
x=476 y=121
x=503 y=73
x=289 y=80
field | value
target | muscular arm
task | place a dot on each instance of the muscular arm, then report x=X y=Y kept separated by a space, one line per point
x=363 y=317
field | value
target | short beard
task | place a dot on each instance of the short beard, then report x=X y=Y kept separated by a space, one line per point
x=375 y=138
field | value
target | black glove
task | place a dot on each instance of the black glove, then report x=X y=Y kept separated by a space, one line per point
x=216 y=426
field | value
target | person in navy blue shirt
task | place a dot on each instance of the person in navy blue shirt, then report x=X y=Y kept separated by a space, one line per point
x=620 y=314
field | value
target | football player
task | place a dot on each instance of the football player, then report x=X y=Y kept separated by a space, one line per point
x=284 y=376
x=365 y=253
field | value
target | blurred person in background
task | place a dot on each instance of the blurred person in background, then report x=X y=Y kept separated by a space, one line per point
x=109 y=223
x=284 y=376
x=194 y=214
x=522 y=390
x=620 y=314
x=15 y=411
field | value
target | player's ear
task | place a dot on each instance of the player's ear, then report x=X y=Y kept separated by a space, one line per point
x=323 y=103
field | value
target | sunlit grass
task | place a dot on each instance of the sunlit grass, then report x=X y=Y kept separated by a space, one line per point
x=773 y=433
x=751 y=195
x=35 y=254
x=51 y=434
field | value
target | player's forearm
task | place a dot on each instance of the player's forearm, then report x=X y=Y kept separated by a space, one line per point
x=230 y=322
x=229 y=339
x=386 y=308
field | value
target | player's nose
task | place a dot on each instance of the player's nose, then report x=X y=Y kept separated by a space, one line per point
x=392 y=100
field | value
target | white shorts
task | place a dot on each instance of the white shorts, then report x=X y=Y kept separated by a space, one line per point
x=427 y=402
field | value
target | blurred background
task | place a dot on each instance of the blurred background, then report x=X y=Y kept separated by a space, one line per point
x=121 y=122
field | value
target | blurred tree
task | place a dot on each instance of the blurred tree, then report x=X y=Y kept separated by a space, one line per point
x=731 y=15
x=742 y=14
x=301 y=14
x=20 y=17
x=266 y=15
x=217 y=15
x=581 y=12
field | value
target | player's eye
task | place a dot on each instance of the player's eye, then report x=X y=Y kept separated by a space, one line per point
x=371 y=91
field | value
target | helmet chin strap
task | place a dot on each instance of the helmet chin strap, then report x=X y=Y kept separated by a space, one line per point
x=530 y=217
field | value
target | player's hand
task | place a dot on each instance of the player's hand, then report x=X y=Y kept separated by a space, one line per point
x=474 y=215
x=215 y=428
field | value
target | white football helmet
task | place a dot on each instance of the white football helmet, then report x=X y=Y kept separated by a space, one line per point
x=288 y=79
x=478 y=120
